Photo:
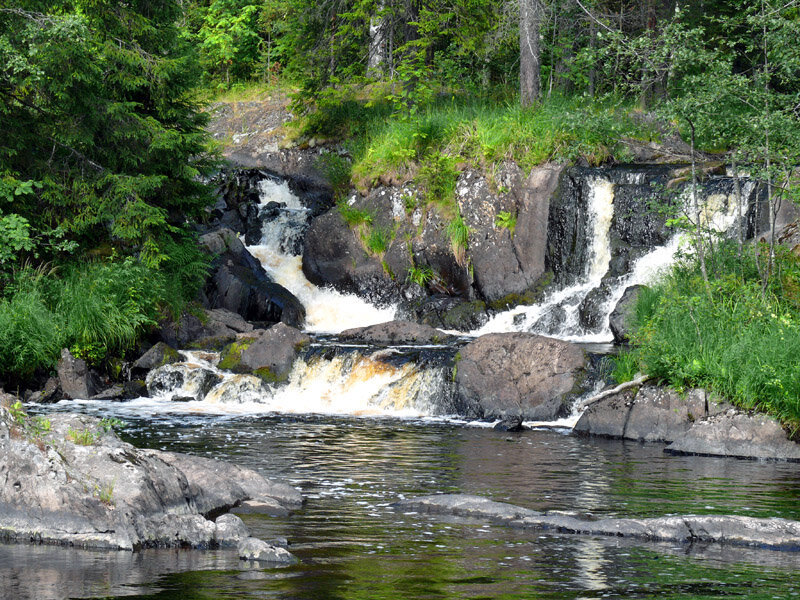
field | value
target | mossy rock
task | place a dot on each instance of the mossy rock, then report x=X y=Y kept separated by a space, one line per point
x=231 y=357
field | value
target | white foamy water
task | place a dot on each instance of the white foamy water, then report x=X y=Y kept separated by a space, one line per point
x=349 y=383
x=563 y=304
x=327 y=311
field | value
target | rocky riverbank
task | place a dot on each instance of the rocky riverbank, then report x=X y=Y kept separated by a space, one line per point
x=69 y=480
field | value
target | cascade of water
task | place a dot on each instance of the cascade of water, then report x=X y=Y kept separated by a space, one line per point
x=327 y=311
x=558 y=314
x=349 y=383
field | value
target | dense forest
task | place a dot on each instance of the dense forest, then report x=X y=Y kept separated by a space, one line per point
x=104 y=160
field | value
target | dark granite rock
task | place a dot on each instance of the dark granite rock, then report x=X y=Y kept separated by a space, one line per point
x=269 y=354
x=621 y=317
x=522 y=375
x=75 y=377
x=396 y=332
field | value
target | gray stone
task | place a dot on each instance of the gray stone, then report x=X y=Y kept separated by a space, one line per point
x=653 y=414
x=776 y=534
x=212 y=330
x=397 y=332
x=504 y=375
x=159 y=355
x=229 y=530
x=731 y=433
x=75 y=377
x=621 y=317
x=268 y=354
x=78 y=484
x=185 y=379
x=259 y=550
x=50 y=393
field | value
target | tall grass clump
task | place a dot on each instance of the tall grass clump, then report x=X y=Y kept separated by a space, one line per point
x=742 y=341
x=95 y=309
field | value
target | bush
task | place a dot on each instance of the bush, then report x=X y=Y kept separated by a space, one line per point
x=742 y=342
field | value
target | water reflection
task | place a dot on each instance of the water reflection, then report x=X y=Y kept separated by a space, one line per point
x=353 y=544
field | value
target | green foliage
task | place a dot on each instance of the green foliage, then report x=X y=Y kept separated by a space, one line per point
x=458 y=232
x=378 y=240
x=109 y=423
x=354 y=216
x=105 y=493
x=742 y=342
x=625 y=366
x=506 y=220
x=337 y=171
x=82 y=437
x=422 y=275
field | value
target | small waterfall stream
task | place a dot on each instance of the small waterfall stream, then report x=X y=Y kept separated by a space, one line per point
x=280 y=253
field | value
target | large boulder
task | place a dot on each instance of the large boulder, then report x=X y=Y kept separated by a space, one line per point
x=506 y=375
x=75 y=377
x=208 y=330
x=240 y=284
x=268 y=354
x=334 y=255
x=506 y=261
x=732 y=433
x=396 y=332
x=445 y=312
x=70 y=480
x=621 y=317
x=653 y=414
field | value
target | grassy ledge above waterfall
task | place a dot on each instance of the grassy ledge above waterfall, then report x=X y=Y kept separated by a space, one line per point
x=741 y=341
x=389 y=146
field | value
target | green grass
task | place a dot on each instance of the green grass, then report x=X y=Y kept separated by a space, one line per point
x=422 y=275
x=478 y=131
x=96 y=309
x=378 y=241
x=742 y=342
x=506 y=220
x=458 y=232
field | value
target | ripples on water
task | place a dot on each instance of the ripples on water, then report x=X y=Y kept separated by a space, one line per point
x=353 y=545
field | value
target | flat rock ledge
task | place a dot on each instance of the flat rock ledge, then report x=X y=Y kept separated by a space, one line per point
x=68 y=479
x=693 y=423
x=773 y=534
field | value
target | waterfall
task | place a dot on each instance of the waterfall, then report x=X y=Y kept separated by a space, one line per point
x=279 y=251
x=351 y=381
x=558 y=314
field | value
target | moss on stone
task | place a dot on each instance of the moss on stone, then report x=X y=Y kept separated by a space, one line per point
x=267 y=375
x=232 y=355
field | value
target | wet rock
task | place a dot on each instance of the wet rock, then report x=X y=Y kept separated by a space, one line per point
x=445 y=312
x=185 y=380
x=50 y=393
x=654 y=414
x=115 y=392
x=513 y=424
x=265 y=506
x=240 y=284
x=229 y=531
x=776 y=534
x=78 y=484
x=333 y=255
x=731 y=433
x=397 y=332
x=261 y=551
x=621 y=317
x=268 y=354
x=238 y=389
x=159 y=355
x=521 y=375
x=75 y=377
x=136 y=388
x=213 y=329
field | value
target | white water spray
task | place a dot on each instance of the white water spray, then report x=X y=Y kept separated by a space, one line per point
x=327 y=311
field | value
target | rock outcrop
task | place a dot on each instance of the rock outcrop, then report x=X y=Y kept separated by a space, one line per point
x=775 y=534
x=75 y=377
x=692 y=423
x=268 y=354
x=396 y=332
x=240 y=284
x=506 y=375
x=621 y=318
x=70 y=480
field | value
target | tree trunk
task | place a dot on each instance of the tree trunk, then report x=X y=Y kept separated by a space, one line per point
x=530 y=19
x=376 y=63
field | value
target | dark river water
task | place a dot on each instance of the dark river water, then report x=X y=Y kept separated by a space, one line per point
x=353 y=545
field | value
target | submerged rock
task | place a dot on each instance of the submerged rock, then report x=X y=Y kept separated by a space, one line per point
x=776 y=534
x=261 y=551
x=76 y=483
x=507 y=375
